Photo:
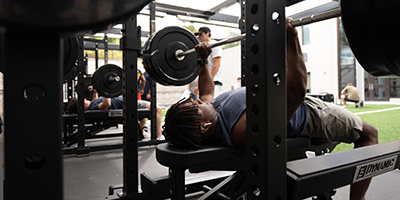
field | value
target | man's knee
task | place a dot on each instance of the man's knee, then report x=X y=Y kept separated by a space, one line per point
x=159 y=110
x=369 y=134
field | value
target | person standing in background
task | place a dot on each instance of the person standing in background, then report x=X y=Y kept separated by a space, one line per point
x=214 y=59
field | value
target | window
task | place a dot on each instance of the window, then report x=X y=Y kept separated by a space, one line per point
x=306 y=34
x=347 y=61
x=395 y=87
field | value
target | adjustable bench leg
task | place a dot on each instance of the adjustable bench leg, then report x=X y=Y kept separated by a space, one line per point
x=178 y=191
x=230 y=187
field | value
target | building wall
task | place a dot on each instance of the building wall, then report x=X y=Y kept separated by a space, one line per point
x=322 y=56
x=322 y=51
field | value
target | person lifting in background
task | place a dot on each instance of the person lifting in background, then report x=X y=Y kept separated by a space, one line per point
x=104 y=103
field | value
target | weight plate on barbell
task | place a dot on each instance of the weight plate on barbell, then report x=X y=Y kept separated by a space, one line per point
x=71 y=49
x=370 y=37
x=107 y=80
x=162 y=65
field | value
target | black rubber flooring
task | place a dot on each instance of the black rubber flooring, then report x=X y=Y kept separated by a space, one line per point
x=89 y=177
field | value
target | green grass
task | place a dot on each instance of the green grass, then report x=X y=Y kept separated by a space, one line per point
x=386 y=122
x=369 y=107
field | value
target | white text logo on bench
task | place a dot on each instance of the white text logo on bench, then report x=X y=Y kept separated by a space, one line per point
x=374 y=168
x=115 y=114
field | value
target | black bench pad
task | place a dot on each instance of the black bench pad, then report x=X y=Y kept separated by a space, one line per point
x=180 y=158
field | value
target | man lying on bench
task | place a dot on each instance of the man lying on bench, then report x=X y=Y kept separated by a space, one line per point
x=223 y=120
x=103 y=103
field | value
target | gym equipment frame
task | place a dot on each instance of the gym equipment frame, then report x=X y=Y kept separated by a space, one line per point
x=36 y=161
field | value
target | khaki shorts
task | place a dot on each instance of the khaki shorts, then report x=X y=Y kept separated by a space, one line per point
x=329 y=121
x=141 y=104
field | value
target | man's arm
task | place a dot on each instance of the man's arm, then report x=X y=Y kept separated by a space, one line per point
x=95 y=94
x=105 y=104
x=215 y=67
x=344 y=91
x=143 y=84
x=205 y=81
x=296 y=72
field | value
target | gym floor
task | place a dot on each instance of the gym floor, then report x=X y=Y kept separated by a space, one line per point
x=89 y=177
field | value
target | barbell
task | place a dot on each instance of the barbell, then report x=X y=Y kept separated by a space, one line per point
x=171 y=56
x=106 y=80
x=70 y=56
x=171 y=59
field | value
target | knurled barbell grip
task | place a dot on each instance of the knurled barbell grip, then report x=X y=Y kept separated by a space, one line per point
x=297 y=22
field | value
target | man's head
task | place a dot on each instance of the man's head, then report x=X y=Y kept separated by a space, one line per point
x=186 y=122
x=350 y=84
x=204 y=34
x=73 y=104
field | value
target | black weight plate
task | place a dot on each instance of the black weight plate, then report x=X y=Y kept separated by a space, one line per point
x=147 y=62
x=386 y=18
x=362 y=32
x=101 y=80
x=164 y=66
x=70 y=16
x=71 y=50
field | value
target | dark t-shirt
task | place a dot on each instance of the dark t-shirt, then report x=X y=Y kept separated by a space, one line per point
x=116 y=103
x=146 y=86
x=230 y=106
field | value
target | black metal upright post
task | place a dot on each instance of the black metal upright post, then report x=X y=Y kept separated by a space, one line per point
x=130 y=44
x=266 y=99
x=153 y=88
x=82 y=149
x=105 y=39
x=32 y=109
x=96 y=55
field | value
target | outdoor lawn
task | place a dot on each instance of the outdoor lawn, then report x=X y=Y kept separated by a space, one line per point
x=387 y=122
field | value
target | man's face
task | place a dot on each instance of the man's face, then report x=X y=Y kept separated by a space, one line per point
x=206 y=110
x=203 y=36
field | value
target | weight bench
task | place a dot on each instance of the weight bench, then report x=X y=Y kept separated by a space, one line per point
x=213 y=158
x=95 y=122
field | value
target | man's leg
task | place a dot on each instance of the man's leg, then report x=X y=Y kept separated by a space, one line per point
x=142 y=123
x=368 y=136
x=343 y=99
x=159 y=113
x=141 y=105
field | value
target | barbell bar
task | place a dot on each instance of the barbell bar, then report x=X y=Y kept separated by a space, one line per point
x=297 y=22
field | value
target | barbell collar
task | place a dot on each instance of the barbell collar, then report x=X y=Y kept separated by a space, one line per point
x=297 y=22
